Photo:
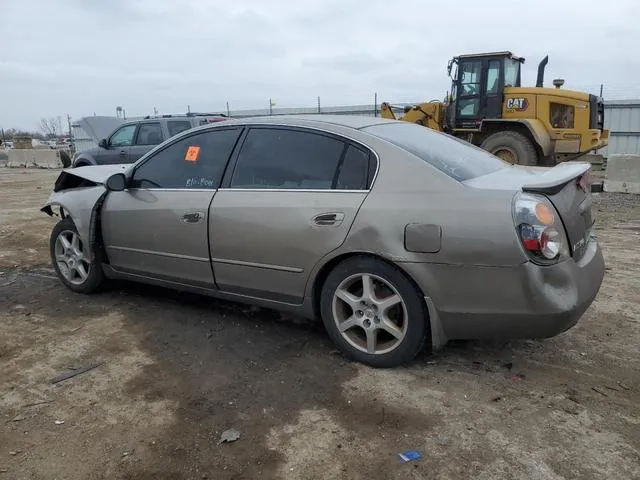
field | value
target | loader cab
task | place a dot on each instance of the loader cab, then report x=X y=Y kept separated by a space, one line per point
x=477 y=88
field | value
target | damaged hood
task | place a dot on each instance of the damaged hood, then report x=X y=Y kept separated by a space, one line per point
x=96 y=174
x=78 y=193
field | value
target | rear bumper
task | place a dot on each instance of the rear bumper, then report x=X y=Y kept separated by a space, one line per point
x=525 y=301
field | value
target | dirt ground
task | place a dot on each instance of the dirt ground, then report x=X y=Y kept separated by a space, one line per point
x=177 y=370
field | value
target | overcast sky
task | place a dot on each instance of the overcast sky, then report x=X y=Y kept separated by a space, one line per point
x=78 y=57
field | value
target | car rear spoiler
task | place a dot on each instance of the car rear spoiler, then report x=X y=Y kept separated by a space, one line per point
x=554 y=180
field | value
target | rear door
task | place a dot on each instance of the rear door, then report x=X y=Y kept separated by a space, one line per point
x=157 y=228
x=290 y=199
x=148 y=135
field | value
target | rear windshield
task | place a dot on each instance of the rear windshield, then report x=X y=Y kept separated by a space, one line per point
x=457 y=158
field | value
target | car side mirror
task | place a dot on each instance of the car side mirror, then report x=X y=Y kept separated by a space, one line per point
x=103 y=143
x=116 y=182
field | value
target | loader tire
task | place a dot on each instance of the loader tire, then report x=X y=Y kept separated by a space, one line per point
x=512 y=147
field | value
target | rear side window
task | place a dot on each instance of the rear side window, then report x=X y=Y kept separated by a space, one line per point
x=458 y=159
x=287 y=159
x=353 y=173
x=177 y=126
x=196 y=161
x=149 y=134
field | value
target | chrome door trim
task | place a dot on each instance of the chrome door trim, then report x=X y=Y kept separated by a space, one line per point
x=280 y=268
x=298 y=190
x=172 y=189
x=160 y=254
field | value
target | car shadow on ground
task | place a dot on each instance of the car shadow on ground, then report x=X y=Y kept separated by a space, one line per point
x=222 y=365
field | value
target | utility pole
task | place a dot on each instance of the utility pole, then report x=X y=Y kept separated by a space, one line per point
x=69 y=124
x=228 y=113
x=375 y=104
x=155 y=112
x=319 y=104
x=188 y=109
x=271 y=104
x=601 y=87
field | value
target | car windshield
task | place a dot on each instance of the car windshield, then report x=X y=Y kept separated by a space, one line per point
x=457 y=158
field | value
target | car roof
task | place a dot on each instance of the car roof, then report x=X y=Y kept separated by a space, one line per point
x=349 y=121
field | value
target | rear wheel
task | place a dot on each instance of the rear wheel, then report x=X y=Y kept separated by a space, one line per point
x=512 y=147
x=69 y=259
x=373 y=312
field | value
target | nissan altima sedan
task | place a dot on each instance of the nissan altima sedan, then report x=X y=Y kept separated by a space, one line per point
x=392 y=234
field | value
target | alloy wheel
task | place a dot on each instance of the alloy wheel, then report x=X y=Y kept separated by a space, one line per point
x=370 y=313
x=70 y=258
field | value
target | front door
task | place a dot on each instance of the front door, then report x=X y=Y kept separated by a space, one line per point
x=479 y=88
x=290 y=200
x=148 y=136
x=119 y=144
x=469 y=94
x=158 y=227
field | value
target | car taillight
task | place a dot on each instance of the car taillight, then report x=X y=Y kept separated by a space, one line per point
x=540 y=228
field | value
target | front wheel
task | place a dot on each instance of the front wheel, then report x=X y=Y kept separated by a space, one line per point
x=72 y=266
x=373 y=312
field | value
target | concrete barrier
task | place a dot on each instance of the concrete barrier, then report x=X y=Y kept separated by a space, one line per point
x=32 y=158
x=623 y=174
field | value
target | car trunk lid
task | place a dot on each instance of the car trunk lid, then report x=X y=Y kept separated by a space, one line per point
x=566 y=186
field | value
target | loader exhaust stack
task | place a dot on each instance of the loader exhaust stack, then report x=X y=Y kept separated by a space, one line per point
x=541 y=67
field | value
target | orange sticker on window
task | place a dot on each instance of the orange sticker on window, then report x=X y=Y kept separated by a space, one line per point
x=193 y=152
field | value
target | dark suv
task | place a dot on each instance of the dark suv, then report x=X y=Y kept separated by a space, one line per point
x=131 y=140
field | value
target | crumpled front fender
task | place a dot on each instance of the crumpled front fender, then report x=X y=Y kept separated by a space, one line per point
x=82 y=206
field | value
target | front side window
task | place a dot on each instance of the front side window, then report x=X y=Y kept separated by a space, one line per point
x=123 y=137
x=149 y=134
x=278 y=158
x=178 y=126
x=470 y=78
x=197 y=161
x=456 y=158
x=561 y=116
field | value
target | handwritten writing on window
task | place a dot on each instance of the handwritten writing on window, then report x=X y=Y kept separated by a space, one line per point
x=200 y=182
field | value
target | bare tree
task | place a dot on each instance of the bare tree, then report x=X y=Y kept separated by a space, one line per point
x=11 y=133
x=51 y=127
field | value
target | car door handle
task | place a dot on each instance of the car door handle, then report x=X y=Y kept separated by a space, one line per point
x=193 y=217
x=123 y=153
x=329 y=219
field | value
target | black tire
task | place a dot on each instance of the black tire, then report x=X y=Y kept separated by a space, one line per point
x=65 y=159
x=514 y=142
x=416 y=311
x=95 y=276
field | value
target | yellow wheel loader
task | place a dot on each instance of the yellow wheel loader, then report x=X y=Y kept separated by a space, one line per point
x=489 y=108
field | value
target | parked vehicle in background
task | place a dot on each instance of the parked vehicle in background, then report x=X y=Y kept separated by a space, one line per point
x=133 y=139
x=393 y=234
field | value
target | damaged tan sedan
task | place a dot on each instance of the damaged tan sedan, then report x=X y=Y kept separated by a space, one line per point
x=390 y=233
